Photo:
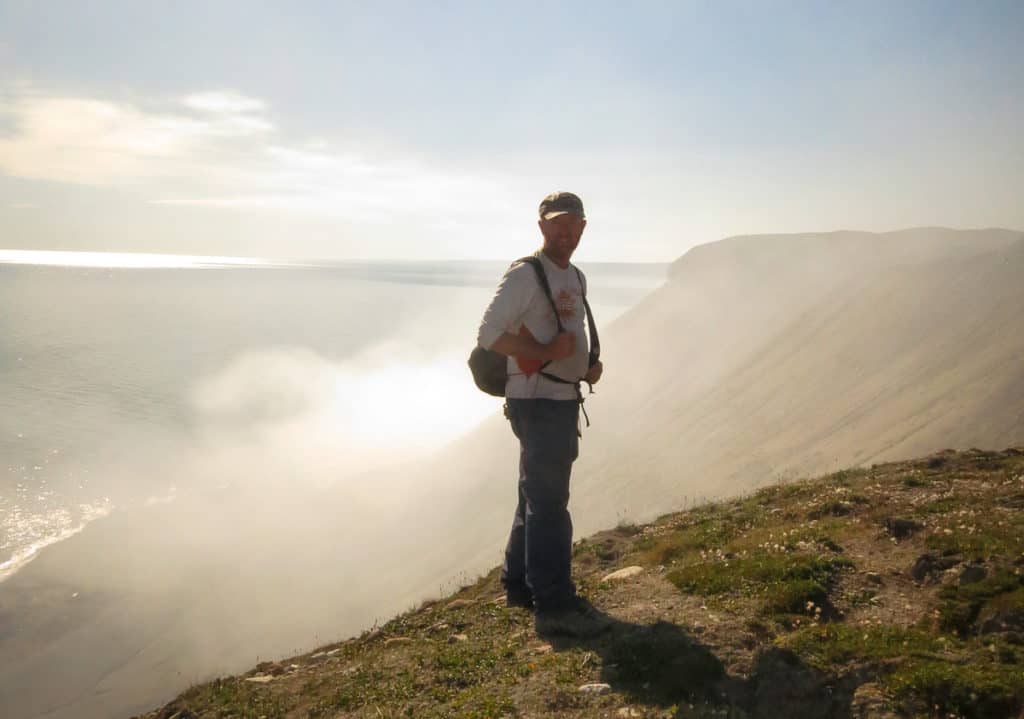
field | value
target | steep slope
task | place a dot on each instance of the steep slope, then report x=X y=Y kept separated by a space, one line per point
x=881 y=365
x=865 y=593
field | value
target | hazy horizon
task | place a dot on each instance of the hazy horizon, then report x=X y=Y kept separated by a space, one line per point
x=393 y=131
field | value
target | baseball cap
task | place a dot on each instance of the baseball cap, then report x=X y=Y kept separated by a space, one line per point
x=560 y=203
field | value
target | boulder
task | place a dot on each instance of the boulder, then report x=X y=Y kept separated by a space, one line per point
x=624 y=573
x=928 y=565
x=901 y=528
x=1011 y=620
x=972 y=574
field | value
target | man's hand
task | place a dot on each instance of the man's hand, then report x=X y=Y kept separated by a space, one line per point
x=594 y=373
x=562 y=346
x=526 y=347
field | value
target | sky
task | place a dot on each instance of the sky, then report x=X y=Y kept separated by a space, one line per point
x=409 y=131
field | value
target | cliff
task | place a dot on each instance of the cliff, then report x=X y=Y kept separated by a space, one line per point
x=891 y=590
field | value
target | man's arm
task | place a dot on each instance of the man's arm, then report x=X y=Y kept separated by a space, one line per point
x=562 y=346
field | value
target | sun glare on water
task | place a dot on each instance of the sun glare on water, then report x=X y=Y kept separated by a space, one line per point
x=125 y=260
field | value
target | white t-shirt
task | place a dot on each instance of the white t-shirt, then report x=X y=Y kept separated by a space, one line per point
x=519 y=307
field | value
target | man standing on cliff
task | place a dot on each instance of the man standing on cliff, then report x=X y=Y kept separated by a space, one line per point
x=544 y=412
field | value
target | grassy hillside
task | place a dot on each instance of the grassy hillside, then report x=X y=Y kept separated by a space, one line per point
x=890 y=591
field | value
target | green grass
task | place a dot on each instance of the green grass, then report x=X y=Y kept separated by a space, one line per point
x=974 y=690
x=961 y=605
x=927 y=674
x=945 y=505
x=988 y=539
x=827 y=645
x=786 y=581
x=231 y=697
x=706 y=533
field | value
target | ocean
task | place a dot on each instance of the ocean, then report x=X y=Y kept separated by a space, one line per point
x=115 y=378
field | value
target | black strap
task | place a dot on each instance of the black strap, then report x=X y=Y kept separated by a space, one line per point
x=595 y=343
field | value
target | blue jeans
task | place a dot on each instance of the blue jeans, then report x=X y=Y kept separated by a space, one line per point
x=538 y=555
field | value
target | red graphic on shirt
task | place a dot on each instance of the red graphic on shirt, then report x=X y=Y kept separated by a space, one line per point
x=566 y=305
x=527 y=366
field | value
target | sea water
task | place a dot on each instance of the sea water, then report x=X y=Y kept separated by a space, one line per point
x=110 y=375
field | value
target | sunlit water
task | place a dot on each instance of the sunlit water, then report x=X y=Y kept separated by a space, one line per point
x=108 y=372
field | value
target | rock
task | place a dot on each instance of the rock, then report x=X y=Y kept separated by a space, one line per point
x=973 y=573
x=928 y=565
x=870 y=703
x=596 y=688
x=260 y=679
x=901 y=528
x=624 y=573
x=459 y=604
x=873 y=577
x=1011 y=620
x=628 y=712
x=456 y=638
x=390 y=641
x=272 y=668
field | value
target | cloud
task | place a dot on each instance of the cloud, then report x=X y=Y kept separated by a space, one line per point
x=219 y=150
x=223 y=102
x=290 y=406
x=97 y=142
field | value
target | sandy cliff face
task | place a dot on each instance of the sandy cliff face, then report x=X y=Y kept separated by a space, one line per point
x=773 y=356
x=811 y=354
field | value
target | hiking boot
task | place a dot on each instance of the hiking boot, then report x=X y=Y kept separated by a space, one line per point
x=580 y=619
x=518 y=595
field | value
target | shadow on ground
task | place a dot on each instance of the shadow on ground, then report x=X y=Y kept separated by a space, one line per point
x=662 y=665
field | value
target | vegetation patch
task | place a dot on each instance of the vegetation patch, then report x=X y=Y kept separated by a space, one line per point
x=795 y=597
x=974 y=689
x=235 y=698
x=961 y=605
x=787 y=581
x=980 y=537
x=827 y=646
x=943 y=505
x=706 y=533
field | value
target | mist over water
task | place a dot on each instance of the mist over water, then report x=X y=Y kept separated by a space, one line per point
x=225 y=436
x=114 y=376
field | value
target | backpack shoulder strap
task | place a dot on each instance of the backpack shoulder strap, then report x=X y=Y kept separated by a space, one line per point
x=542 y=279
x=595 y=342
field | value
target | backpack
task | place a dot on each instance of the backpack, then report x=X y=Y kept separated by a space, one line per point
x=490 y=368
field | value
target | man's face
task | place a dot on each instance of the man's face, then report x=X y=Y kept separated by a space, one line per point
x=561 y=236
